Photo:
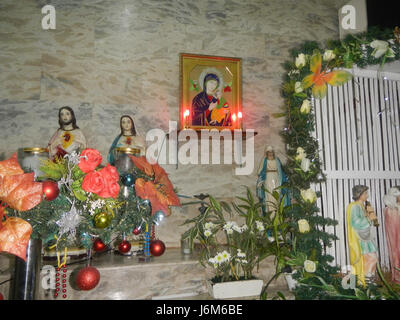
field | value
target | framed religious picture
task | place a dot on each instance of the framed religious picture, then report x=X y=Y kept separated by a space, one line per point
x=211 y=92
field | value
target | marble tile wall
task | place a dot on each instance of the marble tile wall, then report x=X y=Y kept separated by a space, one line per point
x=108 y=58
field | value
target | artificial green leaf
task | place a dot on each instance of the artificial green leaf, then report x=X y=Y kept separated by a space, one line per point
x=281 y=295
x=279 y=115
x=215 y=204
x=226 y=207
x=77 y=173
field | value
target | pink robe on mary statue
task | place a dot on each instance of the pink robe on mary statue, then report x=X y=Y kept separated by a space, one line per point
x=392 y=229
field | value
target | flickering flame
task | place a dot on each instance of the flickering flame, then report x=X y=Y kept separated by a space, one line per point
x=186 y=113
x=234 y=117
x=240 y=116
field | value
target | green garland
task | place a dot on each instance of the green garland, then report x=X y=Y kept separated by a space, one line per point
x=359 y=50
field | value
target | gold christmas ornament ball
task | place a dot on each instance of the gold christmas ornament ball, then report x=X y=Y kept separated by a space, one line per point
x=102 y=220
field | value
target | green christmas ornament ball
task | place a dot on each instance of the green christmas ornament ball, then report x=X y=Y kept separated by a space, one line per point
x=102 y=220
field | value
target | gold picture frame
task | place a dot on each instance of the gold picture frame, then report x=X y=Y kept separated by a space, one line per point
x=210 y=92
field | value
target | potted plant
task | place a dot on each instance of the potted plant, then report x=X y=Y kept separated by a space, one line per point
x=232 y=249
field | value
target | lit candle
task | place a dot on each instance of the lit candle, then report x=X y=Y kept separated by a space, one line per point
x=240 y=116
x=186 y=116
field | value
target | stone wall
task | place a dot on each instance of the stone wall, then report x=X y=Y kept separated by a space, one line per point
x=108 y=58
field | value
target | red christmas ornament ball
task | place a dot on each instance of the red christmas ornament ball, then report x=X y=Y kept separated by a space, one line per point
x=99 y=246
x=157 y=248
x=50 y=189
x=124 y=246
x=87 y=278
x=136 y=231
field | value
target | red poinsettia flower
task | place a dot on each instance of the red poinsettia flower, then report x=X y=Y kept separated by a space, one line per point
x=10 y=167
x=142 y=164
x=159 y=172
x=160 y=191
x=14 y=236
x=161 y=196
x=18 y=189
x=20 y=192
x=228 y=89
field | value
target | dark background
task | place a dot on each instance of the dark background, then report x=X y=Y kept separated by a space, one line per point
x=383 y=13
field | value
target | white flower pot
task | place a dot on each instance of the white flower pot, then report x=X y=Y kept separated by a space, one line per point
x=235 y=289
x=290 y=281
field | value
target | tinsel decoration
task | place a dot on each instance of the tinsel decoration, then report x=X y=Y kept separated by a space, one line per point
x=69 y=222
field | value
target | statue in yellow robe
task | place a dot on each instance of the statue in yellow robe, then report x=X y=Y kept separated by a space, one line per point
x=363 y=250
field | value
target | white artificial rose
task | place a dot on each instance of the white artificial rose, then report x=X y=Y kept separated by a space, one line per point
x=305 y=107
x=304 y=227
x=300 y=60
x=329 y=55
x=381 y=48
x=305 y=164
x=298 y=87
x=301 y=154
x=309 y=195
x=310 y=266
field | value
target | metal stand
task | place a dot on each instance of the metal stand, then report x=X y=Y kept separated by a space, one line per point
x=26 y=274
